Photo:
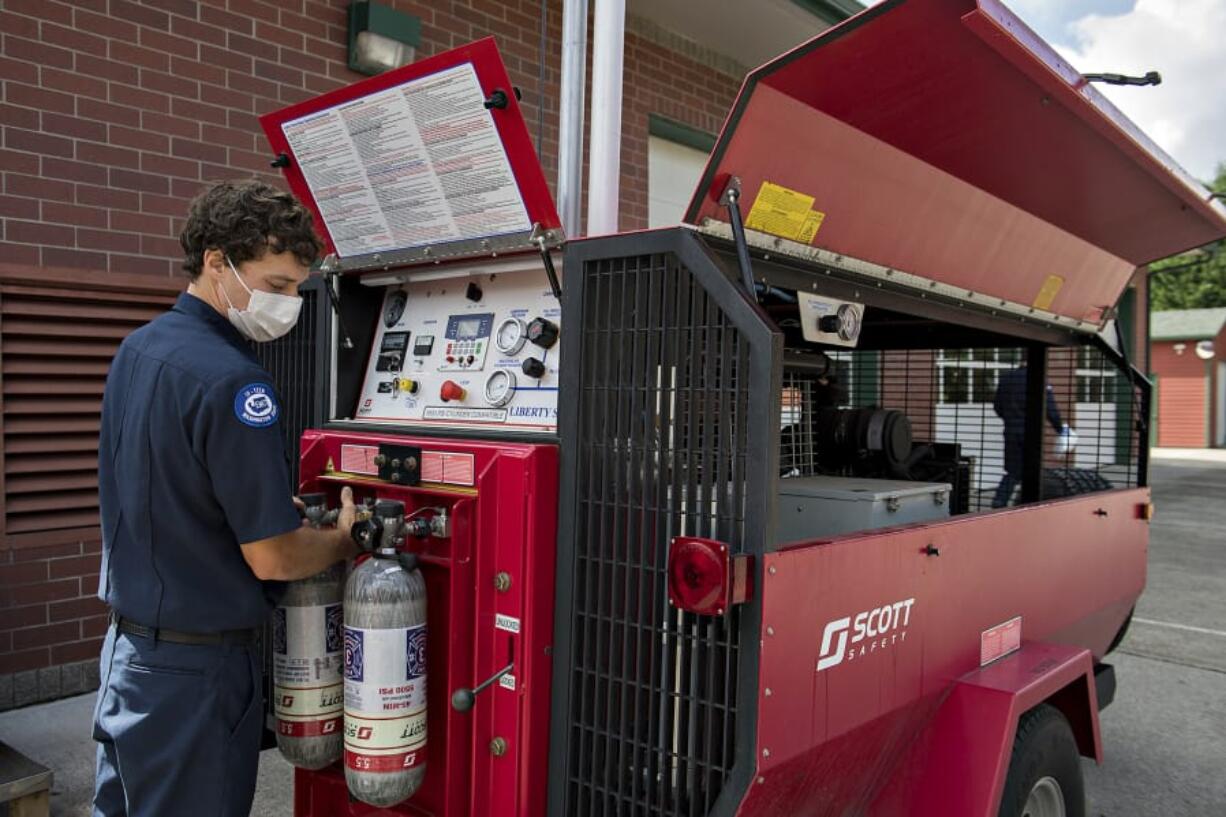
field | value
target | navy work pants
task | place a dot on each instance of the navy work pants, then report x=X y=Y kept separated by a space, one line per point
x=178 y=729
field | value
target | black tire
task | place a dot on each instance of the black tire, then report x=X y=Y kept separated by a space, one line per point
x=1119 y=637
x=1044 y=748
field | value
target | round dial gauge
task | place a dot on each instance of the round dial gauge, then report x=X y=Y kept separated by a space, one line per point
x=499 y=387
x=394 y=308
x=849 y=322
x=510 y=336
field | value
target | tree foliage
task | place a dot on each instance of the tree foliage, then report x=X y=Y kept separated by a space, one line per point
x=1191 y=280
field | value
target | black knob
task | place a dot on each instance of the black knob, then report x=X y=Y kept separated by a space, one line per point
x=473 y=292
x=543 y=332
x=534 y=368
x=389 y=508
x=830 y=323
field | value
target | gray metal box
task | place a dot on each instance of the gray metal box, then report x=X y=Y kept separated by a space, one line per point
x=816 y=507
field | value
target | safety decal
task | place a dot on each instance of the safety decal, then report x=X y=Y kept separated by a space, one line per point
x=415 y=652
x=334 y=627
x=354 y=658
x=1049 y=291
x=785 y=213
x=255 y=405
x=999 y=641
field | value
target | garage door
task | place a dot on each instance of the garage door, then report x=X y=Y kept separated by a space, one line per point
x=673 y=170
x=1181 y=412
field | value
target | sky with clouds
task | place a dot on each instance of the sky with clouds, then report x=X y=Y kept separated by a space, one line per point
x=1184 y=40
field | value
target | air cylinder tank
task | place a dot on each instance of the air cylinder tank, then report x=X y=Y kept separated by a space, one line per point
x=308 y=691
x=385 y=665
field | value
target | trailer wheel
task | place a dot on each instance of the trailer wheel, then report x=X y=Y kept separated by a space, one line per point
x=1045 y=769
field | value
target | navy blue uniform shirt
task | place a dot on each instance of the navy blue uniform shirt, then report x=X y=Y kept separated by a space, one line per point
x=191 y=464
x=1010 y=406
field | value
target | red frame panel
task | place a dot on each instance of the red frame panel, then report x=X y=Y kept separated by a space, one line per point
x=507 y=522
x=491 y=75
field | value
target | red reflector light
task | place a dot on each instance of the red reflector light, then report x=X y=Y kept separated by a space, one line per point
x=704 y=578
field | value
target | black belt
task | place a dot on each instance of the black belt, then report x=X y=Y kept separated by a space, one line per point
x=240 y=638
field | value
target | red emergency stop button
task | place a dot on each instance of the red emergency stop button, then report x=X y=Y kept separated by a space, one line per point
x=451 y=390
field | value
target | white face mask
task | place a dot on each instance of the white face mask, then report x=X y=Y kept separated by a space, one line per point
x=268 y=316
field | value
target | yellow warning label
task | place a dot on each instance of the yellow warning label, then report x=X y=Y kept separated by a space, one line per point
x=1051 y=288
x=785 y=213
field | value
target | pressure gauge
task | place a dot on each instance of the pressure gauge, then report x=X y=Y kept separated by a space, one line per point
x=394 y=308
x=511 y=336
x=500 y=387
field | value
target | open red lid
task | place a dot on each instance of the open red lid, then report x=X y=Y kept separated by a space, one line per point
x=428 y=162
x=946 y=144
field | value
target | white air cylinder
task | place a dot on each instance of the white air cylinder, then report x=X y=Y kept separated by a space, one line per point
x=385 y=669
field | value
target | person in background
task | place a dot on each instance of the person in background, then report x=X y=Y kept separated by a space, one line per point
x=199 y=527
x=1010 y=406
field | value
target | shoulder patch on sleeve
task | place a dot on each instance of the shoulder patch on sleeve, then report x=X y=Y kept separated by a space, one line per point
x=255 y=405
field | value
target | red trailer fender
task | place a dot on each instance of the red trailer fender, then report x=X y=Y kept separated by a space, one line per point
x=959 y=764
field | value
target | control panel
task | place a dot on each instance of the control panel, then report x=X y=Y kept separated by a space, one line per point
x=476 y=350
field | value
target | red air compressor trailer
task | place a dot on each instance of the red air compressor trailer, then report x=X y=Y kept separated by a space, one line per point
x=777 y=511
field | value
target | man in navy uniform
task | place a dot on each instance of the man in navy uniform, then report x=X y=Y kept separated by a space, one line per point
x=199 y=527
x=1010 y=406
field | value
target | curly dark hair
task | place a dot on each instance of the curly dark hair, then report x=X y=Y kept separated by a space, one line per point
x=244 y=219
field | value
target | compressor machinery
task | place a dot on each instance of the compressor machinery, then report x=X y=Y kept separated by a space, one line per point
x=774 y=512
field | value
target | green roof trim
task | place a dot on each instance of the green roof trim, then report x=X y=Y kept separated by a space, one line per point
x=1187 y=324
x=681 y=134
x=831 y=11
x=365 y=15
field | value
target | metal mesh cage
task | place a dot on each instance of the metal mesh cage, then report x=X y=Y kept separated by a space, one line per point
x=293 y=363
x=968 y=413
x=663 y=443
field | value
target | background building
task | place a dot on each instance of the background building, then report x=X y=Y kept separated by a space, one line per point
x=1189 y=373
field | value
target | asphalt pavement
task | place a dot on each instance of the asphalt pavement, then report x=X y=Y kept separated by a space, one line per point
x=1164 y=737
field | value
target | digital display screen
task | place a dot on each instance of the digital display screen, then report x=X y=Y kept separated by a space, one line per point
x=468 y=329
x=395 y=341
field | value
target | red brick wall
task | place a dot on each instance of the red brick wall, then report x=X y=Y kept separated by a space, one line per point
x=1182 y=384
x=113 y=120
x=115 y=113
x=53 y=617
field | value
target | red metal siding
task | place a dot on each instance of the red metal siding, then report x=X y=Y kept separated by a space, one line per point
x=1182 y=387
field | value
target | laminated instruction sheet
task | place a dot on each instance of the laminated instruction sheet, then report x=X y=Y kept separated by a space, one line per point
x=414 y=165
